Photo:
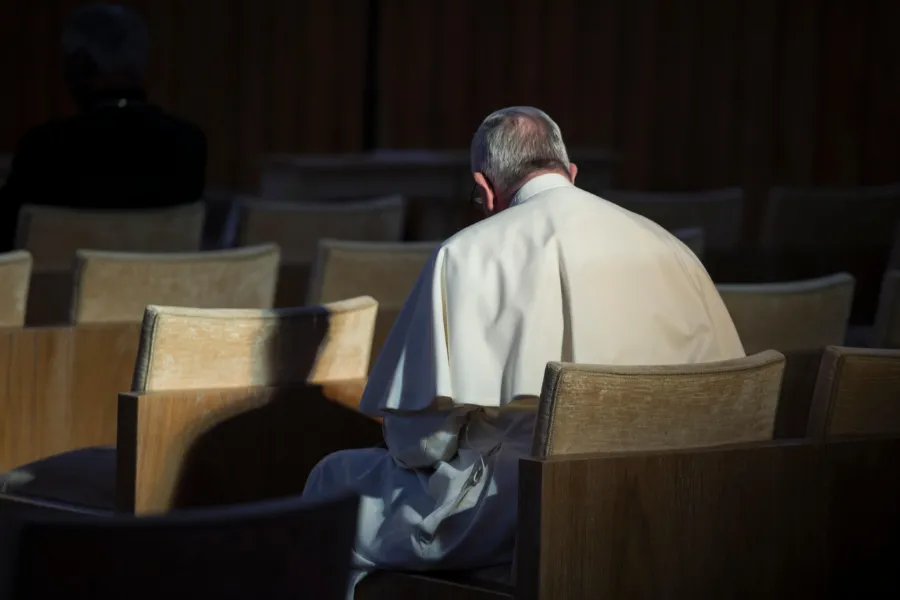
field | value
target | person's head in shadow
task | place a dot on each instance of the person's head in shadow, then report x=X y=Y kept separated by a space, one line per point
x=106 y=49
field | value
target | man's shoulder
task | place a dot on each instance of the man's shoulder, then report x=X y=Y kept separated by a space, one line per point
x=182 y=126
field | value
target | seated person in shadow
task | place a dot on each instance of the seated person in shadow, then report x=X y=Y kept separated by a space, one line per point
x=120 y=151
x=553 y=274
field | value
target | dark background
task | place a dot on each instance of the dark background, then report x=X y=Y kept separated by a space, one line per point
x=689 y=94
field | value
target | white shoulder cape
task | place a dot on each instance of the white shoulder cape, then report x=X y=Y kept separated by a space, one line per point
x=561 y=276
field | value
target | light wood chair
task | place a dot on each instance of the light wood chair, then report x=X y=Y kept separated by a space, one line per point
x=694 y=238
x=718 y=212
x=886 y=333
x=15 y=277
x=797 y=315
x=250 y=551
x=799 y=319
x=857 y=393
x=297 y=227
x=386 y=271
x=117 y=286
x=191 y=348
x=592 y=408
x=54 y=234
x=300 y=354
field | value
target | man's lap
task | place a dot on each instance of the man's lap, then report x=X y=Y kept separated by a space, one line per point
x=84 y=477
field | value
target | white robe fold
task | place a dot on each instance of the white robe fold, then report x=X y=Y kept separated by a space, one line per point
x=561 y=275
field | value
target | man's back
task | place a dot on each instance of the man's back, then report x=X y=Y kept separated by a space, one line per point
x=109 y=157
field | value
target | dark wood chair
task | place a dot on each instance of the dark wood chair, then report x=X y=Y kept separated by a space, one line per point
x=286 y=549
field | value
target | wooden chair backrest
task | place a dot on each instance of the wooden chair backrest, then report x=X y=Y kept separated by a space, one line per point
x=189 y=348
x=15 y=280
x=718 y=212
x=887 y=317
x=796 y=315
x=810 y=520
x=113 y=287
x=184 y=448
x=593 y=408
x=278 y=550
x=857 y=393
x=384 y=270
x=830 y=218
x=60 y=386
x=53 y=234
x=297 y=227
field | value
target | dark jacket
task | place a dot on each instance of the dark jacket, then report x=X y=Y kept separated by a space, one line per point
x=114 y=155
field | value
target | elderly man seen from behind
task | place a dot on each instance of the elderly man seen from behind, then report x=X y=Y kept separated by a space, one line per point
x=553 y=274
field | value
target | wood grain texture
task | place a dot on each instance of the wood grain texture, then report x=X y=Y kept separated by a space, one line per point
x=215 y=447
x=709 y=95
x=857 y=393
x=59 y=388
x=779 y=520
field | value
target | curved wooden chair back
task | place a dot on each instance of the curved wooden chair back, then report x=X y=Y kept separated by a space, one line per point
x=117 y=287
x=600 y=408
x=53 y=234
x=190 y=348
x=791 y=316
x=15 y=281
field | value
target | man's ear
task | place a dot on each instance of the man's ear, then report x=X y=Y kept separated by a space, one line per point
x=573 y=171
x=487 y=192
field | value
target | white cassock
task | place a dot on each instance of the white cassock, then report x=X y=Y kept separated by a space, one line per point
x=561 y=275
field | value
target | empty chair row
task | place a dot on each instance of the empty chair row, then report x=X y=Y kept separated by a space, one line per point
x=117 y=286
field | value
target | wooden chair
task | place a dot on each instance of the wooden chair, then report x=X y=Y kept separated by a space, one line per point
x=297 y=228
x=386 y=271
x=798 y=315
x=284 y=549
x=53 y=234
x=117 y=287
x=191 y=348
x=857 y=393
x=809 y=232
x=588 y=408
x=796 y=318
x=810 y=520
x=59 y=387
x=317 y=352
x=181 y=348
x=694 y=238
x=15 y=276
x=718 y=212
x=886 y=333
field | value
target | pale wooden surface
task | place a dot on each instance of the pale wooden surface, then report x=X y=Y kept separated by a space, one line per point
x=857 y=393
x=53 y=234
x=60 y=390
x=116 y=287
x=15 y=275
x=593 y=408
x=185 y=348
x=220 y=446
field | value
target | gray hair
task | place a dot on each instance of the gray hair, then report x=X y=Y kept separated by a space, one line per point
x=114 y=37
x=514 y=142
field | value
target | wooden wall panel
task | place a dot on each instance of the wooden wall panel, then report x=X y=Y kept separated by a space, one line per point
x=258 y=76
x=695 y=94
